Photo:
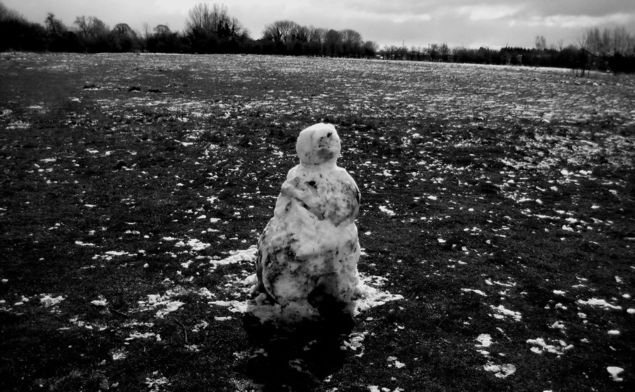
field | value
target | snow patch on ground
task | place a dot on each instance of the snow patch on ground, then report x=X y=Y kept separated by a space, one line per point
x=500 y=371
x=615 y=372
x=500 y=312
x=479 y=292
x=387 y=211
x=193 y=243
x=484 y=340
x=599 y=303
x=48 y=301
x=237 y=256
x=163 y=304
x=355 y=342
x=156 y=382
x=540 y=346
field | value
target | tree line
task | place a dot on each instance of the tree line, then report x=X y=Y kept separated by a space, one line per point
x=603 y=50
x=210 y=29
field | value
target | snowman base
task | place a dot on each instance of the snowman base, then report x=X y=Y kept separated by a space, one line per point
x=263 y=311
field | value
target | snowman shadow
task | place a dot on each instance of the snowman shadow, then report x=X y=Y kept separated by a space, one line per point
x=296 y=357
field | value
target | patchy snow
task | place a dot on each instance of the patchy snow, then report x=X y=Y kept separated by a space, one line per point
x=232 y=306
x=119 y=354
x=479 y=292
x=163 y=304
x=187 y=264
x=48 y=301
x=600 y=303
x=145 y=335
x=615 y=372
x=156 y=382
x=87 y=244
x=237 y=256
x=500 y=371
x=539 y=346
x=109 y=255
x=387 y=211
x=101 y=301
x=558 y=325
x=194 y=348
x=18 y=124
x=484 y=340
x=355 y=342
x=193 y=243
x=502 y=313
x=394 y=362
x=371 y=296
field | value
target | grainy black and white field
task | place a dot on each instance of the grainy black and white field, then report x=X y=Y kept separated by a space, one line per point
x=497 y=202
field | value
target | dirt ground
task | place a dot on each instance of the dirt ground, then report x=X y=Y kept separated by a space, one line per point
x=497 y=209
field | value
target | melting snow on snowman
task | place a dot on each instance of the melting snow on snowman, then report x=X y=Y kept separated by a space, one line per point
x=306 y=263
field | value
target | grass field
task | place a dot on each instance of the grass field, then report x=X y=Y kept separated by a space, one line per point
x=498 y=202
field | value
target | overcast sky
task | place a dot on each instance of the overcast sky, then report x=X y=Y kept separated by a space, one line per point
x=493 y=23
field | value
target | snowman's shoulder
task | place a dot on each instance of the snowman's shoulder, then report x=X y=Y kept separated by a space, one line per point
x=292 y=172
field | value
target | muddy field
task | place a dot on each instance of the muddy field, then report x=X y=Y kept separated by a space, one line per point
x=497 y=222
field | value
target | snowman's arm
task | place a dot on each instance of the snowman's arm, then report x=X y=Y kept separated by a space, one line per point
x=353 y=186
x=305 y=196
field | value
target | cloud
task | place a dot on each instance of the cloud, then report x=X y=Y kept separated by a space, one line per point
x=488 y=11
x=577 y=21
x=413 y=22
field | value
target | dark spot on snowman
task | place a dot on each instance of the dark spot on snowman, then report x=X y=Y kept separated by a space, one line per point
x=267 y=261
x=312 y=184
x=325 y=154
x=352 y=245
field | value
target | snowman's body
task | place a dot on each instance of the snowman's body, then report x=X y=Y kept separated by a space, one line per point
x=308 y=253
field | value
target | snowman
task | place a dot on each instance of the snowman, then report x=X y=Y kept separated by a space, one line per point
x=306 y=263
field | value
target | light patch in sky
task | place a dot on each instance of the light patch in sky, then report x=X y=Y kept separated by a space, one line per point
x=487 y=12
x=576 y=21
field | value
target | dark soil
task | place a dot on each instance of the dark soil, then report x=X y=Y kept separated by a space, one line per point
x=496 y=201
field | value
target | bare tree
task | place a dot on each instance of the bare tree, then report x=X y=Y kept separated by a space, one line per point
x=351 y=41
x=7 y=14
x=206 y=20
x=622 y=41
x=316 y=34
x=541 y=42
x=333 y=43
x=54 y=26
x=124 y=30
x=162 y=30
x=592 y=41
x=91 y=28
x=123 y=38
x=608 y=42
x=281 y=32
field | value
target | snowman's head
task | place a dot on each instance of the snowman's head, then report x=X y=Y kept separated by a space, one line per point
x=318 y=144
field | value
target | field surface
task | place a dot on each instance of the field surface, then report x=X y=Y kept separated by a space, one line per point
x=497 y=210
